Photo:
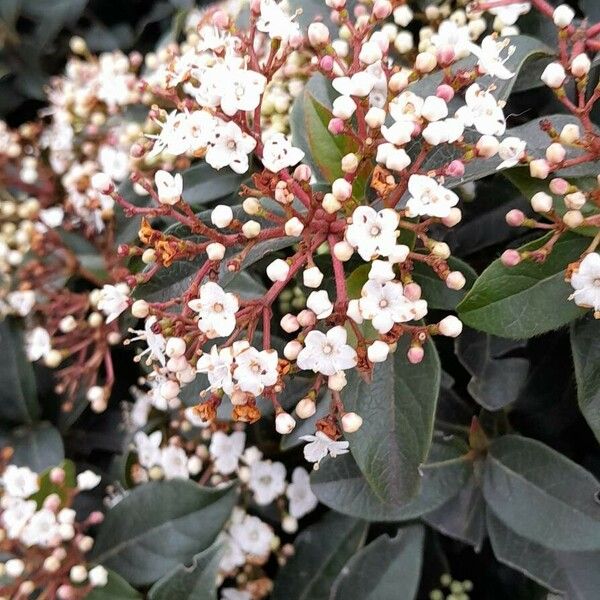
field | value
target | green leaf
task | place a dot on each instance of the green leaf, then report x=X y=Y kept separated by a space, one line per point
x=386 y=569
x=321 y=551
x=542 y=495
x=63 y=490
x=397 y=408
x=574 y=574
x=38 y=446
x=159 y=525
x=116 y=588
x=199 y=580
x=526 y=300
x=202 y=184
x=18 y=393
x=435 y=291
x=585 y=344
x=340 y=485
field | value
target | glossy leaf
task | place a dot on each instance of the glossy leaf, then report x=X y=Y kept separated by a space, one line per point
x=526 y=300
x=37 y=446
x=202 y=184
x=321 y=551
x=542 y=495
x=159 y=525
x=386 y=569
x=116 y=588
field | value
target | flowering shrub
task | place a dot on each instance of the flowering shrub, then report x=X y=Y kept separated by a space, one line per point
x=236 y=272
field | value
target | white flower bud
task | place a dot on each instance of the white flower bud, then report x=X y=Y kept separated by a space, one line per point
x=312 y=277
x=425 y=62
x=487 y=146
x=353 y=311
x=251 y=229
x=343 y=251
x=450 y=326
x=186 y=375
x=292 y=349
x=14 y=567
x=289 y=323
x=541 y=202
x=403 y=15
x=221 y=216
x=573 y=219
x=351 y=422
x=251 y=206
x=453 y=218
x=337 y=382
x=399 y=254
x=102 y=183
x=580 y=65
x=289 y=524
x=570 y=134
x=343 y=107
x=404 y=42
x=381 y=271
x=375 y=117
x=169 y=389
x=278 y=270
x=350 y=163
x=68 y=324
x=455 y=280
x=575 y=201
x=539 y=168
x=441 y=249
x=434 y=108
x=563 y=15
x=555 y=153
x=341 y=189
x=194 y=465
x=330 y=204
x=306 y=408
x=554 y=75
x=293 y=227
x=149 y=256
x=318 y=34
x=378 y=351
x=397 y=159
x=95 y=394
x=85 y=543
x=284 y=423
x=370 y=53
x=78 y=574
x=140 y=309
x=320 y=304
x=215 y=251
x=98 y=576
x=51 y=564
x=175 y=347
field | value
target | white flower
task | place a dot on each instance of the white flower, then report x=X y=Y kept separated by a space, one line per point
x=200 y=128
x=98 y=576
x=511 y=150
x=216 y=310
x=428 y=197
x=242 y=90
x=267 y=481
x=16 y=514
x=385 y=304
x=586 y=282
x=155 y=341
x=114 y=299
x=320 y=304
x=453 y=37
x=509 y=14
x=21 y=301
x=229 y=146
x=52 y=217
x=169 y=187
x=406 y=107
x=87 y=480
x=446 y=131
x=393 y=158
x=371 y=232
x=37 y=343
x=482 y=111
x=300 y=495
x=276 y=23
x=147 y=448
x=256 y=370
x=278 y=153
x=226 y=450
x=360 y=84
x=174 y=135
x=488 y=54
x=20 y=482
x=41 y=530
x=327 y=353
x=320 y=445
x=114 y=162
x=232 y=557
x=217 y=366
x=173 y=461
x=253 y=536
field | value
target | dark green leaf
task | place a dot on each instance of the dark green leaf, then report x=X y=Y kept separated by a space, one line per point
x=159 y=525
x=202 y=184
x=115 y=589
x=585 y=344
x=386 y=569
x=542 y=495
x=526 y=300
x=321 y=551
x=340 y=485
x=37 y=446
x=199 y=580
x=397 y=408
x=18 y=394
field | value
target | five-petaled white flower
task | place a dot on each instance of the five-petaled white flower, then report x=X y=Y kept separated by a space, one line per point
x=225 y=450
x=586 y=282
x=229 y=146
x=327 y=353
x=278 y=153
x=509 y=14
x=173 y=137
x=428 y=197
x=241 y=90
x=169 y=187
x=216 y=310
x=114 y=299
x=217 y=366
x=174 y=461
x=300 y=495
x=252 y=535
x=267 y=481
x=511 y=150
x=256 y=370
x=276 y=22
x=20 y=482
x=21 y=301
x=371 y=232
x=451 y=36
x=482 y=111
x=37 y=343
x=488 y=54
x=148 y=448
x=155 y=341
x=320 y=445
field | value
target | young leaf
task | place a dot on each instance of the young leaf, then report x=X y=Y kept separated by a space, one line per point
x=199 y=580
x=116 y=588
x=397 y=408
x=386 y=569
x=321 y=551
x=541 y=495
x=585 y=344
x=159 y=525
x=526 y=300
x=340 y=485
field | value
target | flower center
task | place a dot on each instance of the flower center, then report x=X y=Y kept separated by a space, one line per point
x=327 y=349
x=597 y=282
x=383 y=303
x=217 y=307
x=375 y=230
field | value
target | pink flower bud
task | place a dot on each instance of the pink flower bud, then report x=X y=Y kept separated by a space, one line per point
x=412 y=291
x=96 y=517
x=220 y=19
x=446 y=56
x=65 y=592
x=306 y=318
x=445 y=92
x=515 y=217
x=382 y=9
x=326 y=63
x=559 y=186
x=336 y=126
x=415 y=355
x=510 y=258
x=455 y=169
x=302 y=173
x=57 y=476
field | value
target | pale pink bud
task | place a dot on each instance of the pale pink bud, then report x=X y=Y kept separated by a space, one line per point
x=412 y=291
x=455 y=169
x=415 y=355
x=220 y=19
x=382 y=9
x=351 y=422
x=573 y=218
x=555 y=153
x=341 y=189
x=455 y=280
x=539 y=168
x=510 y=258
x=336 y=126
x=445 y=92
x=326 y=63
x=318 y=34
x=306 y=318
x=284 y=423
x=559 y=186
x=303 y=172
x=425 y=62
x=255 y=6
x=450 y=326
x=446 y=56
x=487 y=146
x=575 y=200
x=515 y=217
x=453 y=218
x=175 y=347
x=306 y=408
x=292 y=349
x=57 y=476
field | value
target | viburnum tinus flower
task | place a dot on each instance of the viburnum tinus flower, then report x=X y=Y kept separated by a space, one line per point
x=216 y=310
x=226 y=450
x=372 y=232
x=320 y=445
x=482 y=111
x=300 y=495
x=327 y=353
x=586 y=282
x=429 y=197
